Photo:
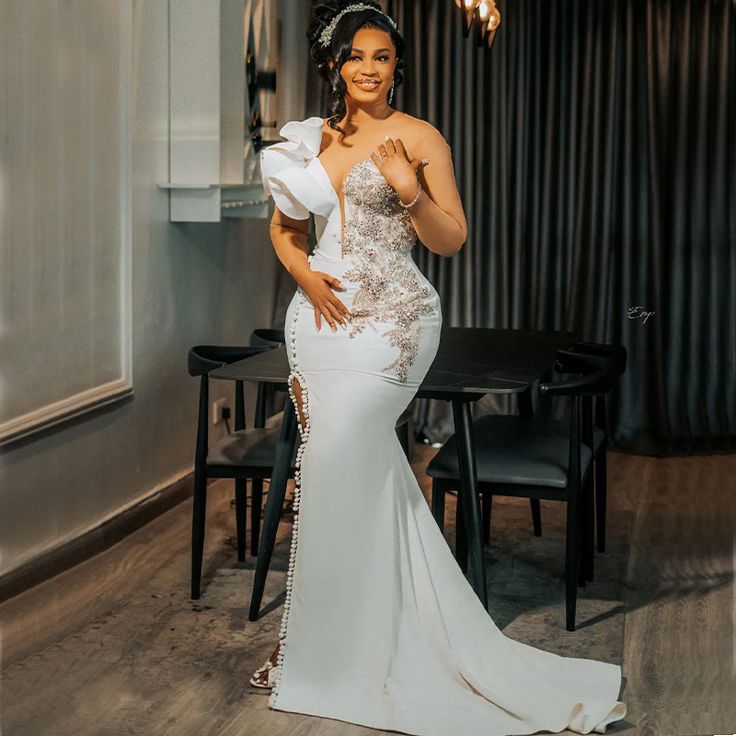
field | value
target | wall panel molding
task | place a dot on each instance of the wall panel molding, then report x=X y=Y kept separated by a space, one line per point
x=65 y=212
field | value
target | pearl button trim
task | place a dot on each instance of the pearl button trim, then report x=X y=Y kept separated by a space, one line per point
x=294 y=375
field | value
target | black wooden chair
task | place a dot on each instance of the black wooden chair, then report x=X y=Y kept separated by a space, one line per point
x=523 y=456
x=266 y=406
x=242 y=454
x=594 y=434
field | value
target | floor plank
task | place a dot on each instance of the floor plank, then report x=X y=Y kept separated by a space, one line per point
x=679 y=646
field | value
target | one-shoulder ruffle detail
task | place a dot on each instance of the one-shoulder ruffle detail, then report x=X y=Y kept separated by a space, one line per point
x=284 y=173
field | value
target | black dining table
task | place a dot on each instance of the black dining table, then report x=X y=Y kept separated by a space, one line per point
x=470 y=363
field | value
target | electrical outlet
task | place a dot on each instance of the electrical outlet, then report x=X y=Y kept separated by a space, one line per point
x=217 y=407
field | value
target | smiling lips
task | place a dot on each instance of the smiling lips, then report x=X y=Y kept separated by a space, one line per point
x=367 y=83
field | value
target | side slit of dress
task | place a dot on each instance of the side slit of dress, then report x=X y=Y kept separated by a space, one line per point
x=294 y=375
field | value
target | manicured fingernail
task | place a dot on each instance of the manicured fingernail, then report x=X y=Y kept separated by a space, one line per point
x=386 y=137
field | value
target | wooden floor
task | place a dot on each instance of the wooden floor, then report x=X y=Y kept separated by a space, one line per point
x=115 y=646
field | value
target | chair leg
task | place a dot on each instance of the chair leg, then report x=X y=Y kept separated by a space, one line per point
x=274 y=504
x=467 y=465
x=486 y=507
x=585 y=531
x=536 y=516
x=588 y=536
x=581 y=540
x=461 y=538
x=438 y=504
x=572 y=560
x=199 y=511
x=256 y=494
x=403 y=434
x=241 y=511
x=601 y=497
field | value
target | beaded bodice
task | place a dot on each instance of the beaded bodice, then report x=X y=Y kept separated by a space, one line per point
x=376 y=216
x=378 y=238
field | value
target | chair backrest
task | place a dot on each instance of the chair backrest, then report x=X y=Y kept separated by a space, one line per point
x=602 y=367
x=584 y=357
x=200 y=361
x=267 y=336
x=594 y=377
x=617 y=354
x=205 y=358
x=594 y=380
x=266 y=403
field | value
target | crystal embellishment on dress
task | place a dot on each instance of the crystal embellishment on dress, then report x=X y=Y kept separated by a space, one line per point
x=379 y=236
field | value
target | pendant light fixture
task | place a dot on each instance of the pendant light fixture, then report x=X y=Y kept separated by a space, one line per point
x=482 y=17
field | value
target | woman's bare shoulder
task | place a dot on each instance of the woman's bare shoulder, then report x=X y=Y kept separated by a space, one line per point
x=419 y=125
x=423 y=133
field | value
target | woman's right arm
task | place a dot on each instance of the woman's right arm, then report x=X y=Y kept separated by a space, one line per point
x=290 y=241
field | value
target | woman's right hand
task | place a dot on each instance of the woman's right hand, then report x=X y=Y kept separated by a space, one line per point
x=318 y=287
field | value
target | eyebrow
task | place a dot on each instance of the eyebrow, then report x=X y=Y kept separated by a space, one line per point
x=375 y=52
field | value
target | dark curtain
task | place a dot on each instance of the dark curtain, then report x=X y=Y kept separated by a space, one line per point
x=595 y=152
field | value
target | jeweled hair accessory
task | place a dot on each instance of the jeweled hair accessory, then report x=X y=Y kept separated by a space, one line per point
x=326 y=36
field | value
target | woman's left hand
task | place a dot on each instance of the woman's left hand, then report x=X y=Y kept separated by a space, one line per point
x=399 y=169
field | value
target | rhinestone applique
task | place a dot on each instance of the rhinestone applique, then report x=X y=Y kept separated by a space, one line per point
x=379 y=236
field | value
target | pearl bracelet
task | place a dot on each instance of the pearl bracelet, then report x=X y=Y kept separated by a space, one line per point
x=414 y=201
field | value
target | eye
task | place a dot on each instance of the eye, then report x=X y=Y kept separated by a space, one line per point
x=383 y=57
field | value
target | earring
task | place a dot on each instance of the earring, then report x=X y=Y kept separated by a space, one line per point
x=391 y=93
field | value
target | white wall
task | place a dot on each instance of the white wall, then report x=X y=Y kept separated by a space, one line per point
x=205 y=283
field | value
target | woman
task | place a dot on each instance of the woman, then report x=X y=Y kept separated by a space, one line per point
x=380 y=626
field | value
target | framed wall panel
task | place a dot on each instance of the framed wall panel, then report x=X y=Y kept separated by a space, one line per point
x=65 y=210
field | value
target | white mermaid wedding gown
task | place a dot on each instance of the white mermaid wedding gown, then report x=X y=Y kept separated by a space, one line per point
x=380 y=627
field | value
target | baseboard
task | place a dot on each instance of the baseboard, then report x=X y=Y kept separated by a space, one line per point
x=71 y=553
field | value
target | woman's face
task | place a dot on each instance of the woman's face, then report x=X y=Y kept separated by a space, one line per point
x=369 y=70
